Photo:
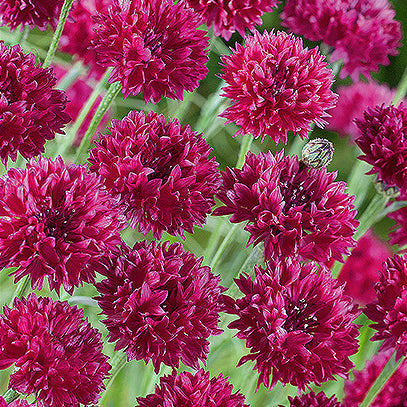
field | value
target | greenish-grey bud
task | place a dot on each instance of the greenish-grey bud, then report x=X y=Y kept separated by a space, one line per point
x=384 y=188
x=317 y=153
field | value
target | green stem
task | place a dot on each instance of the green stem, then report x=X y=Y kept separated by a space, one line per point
x=244 y=149
x=223 y=246
x=11 y=395
x=401 y=88
x=22 y=35
x=67 y=80
x=387 y=372
x=112 y=92
x=117 y=362
x=358 y=182
x=57 y=34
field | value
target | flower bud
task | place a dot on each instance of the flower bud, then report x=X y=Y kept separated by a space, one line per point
x=317 y=153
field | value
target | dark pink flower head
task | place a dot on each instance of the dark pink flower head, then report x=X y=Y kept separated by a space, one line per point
x=394 y=392
x=193 y=390
x=360 y=272
x=314 y=400
x=296 y=322
x=57 y=354
x=353 y=100
x=383 y=140
x=160 y=173
x=31 y=13
x=276 y=85
x=31 y=111
x=56 y=221
x=389 y=311
x=154 y=46
x=363 y=33
x=228 y=16
x=161 y=304
x=294 y=209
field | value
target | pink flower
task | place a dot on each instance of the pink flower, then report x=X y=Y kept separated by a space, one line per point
x=160 y=173
x=31 y=111
x=228 y=16
x=276 y=85
x=389 y=311
x=187 y=389
x=56 y=221
x=161 y=304
x=57 y=354
x=296 y=322
x=353 y=100
x=383 y=140
x=154 y=46
x=294 y=209
x=314 y=400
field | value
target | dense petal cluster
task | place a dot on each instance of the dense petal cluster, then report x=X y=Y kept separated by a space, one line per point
x=361 y=270
x=362 y=32
x=190 y=390
x=296 y=322
x=160 y=173
x=31 y=111
x=228 y=16
x=383 y=140
x=294 y=209
x=314 y=400
x=394 y=392
x=276 y=85
x=161 y=304
x=57 y=354
x=31 y=13
x=154 y=46
x=56 y=221
x=353 y=100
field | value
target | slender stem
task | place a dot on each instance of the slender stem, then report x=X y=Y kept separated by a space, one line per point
x=96 y=119
x=393 y=207
x=67 y=80
x=58 y=32
x=11 y=395
x=117 y=362
x=223 y=246
x=401 y=88
x=355 y=185
x=244 y=149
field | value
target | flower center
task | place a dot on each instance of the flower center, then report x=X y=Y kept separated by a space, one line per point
x=300 y=317
x=55 y=223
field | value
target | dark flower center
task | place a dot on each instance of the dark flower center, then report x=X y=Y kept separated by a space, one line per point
x=55 y=223
x=299 y=317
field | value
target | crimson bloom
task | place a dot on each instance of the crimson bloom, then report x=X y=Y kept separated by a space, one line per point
x=57 y=354
x=56 y=221
x=383 y=140
x=389 y=311
x=154 y=46
x=160 y=173
x=276 y=85
x=187 y=390
x=161 y=304
x=294 y=209
x=314 y=400
x=296 y=322
x=31 y=111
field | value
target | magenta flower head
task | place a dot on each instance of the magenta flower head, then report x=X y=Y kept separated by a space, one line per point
x=56 y=221
x=154 y=46
x=353 y=100
x=31 y=111
x=393 y=393
x=389 y=311
x=314 y=400
x=160 y=173
x=161 y=304
x=294 y=209
x=383 y=140
x=296 y=322
x=187 y=389
x=31 y=13
x=276 y=85
x=228 y=16
x=58 y=355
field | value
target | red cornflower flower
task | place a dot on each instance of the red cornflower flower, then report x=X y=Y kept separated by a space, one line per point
x=383 y=140
x=187 y=389
x=294 y=209
x=160 y=303
x=57 y=354
x=154 y=46
x=353 y=100
x=362 y=32
x=296 y=322
x=160 y=173
x=360 y=272
x=394 y=392
x=31 y=111
x=276 y=85
x=228 y=16
x=314 y=400
x=389 y=311
x=31 y=13
x=56 y=221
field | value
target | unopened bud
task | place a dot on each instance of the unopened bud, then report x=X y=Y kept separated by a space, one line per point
x=384 y=188
x=317 y=153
